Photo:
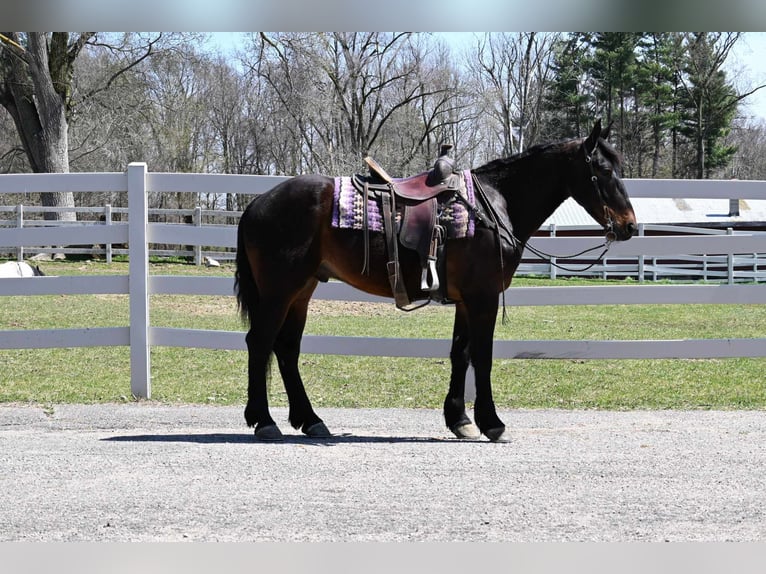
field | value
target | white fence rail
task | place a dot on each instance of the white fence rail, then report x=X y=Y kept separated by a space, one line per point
x=731 y=268
x=139 y=234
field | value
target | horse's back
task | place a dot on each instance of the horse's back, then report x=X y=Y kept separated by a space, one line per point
x=293 y=202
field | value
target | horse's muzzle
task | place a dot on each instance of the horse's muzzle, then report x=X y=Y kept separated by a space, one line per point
x=621 y=229
x=628 y=231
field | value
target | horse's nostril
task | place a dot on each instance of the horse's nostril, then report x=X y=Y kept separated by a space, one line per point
x=630 y=228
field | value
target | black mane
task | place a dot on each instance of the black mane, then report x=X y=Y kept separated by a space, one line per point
x=611 y=154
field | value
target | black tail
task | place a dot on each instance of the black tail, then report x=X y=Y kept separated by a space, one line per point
x=244 y=284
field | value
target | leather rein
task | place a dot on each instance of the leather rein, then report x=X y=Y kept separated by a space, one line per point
x=503 y=231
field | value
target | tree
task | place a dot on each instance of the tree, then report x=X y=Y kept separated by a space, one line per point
x=343 y=95
x=511 y=71
x=567 y=100
x=11 y=153
x=612 y=69
x=750 y=139
x=656 y=91
x=710 y=100
x=35 y=88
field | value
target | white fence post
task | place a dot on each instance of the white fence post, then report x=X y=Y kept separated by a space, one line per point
x=641 y=233
x=553 y=259
x=138 y=271
x=20 y=224
x=198 y=247
x=108 y=221
x=730 y=261
x=469 y=393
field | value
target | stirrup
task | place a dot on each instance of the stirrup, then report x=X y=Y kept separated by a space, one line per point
x=429 y=279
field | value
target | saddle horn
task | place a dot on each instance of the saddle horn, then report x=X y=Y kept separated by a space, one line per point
x=443 y=166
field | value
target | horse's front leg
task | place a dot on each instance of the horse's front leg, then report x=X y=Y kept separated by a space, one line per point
x=482 y=315
x=454 y=405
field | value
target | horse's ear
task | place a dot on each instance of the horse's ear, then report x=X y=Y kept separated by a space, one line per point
x=592 y=141
x=605 y=133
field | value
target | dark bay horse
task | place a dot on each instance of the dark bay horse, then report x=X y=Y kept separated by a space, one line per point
x=286 y=244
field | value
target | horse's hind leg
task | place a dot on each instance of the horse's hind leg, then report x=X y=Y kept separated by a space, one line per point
x=287 y=348
x=264 y=326
x=454 y=405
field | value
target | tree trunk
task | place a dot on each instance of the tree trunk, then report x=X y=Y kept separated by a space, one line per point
x=38 y=108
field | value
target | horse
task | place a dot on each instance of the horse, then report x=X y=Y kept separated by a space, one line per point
x=19 y=269
x=286 y=245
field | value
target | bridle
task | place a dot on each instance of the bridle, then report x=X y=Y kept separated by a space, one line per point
x=610 y=235
x=502 y=231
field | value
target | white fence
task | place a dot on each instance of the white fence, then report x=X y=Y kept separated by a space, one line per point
x=138 y=284
x=743 y=268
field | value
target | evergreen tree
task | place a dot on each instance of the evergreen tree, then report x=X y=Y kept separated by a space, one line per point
x=709 y=102
x=656 y=90
x=612 y=68
x=566 y=111
x=614 y=71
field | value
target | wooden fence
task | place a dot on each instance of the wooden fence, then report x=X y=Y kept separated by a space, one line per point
x=139 y=234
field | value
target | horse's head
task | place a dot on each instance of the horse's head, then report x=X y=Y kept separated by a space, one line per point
x=602 y=192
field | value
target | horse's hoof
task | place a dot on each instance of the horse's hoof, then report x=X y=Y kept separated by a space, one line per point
x=498 y=434
x=270 y=433
x=317 y=430
x=466 y=431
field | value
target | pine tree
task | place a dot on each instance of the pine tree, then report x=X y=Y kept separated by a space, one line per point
x=709 y=102
x=566 y=102
x=656 y=90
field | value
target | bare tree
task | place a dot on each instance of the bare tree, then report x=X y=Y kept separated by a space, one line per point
x=38 y=88
x=343 y=95
x=12 y=157
x=512 y=70
x=749 y=137
x=35 y=87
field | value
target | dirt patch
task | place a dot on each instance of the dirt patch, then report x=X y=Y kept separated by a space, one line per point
x=354 y=308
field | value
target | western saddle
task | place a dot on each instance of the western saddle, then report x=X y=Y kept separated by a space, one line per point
x=416 y=198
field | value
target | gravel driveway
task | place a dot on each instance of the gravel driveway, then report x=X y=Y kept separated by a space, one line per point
x=148 y=472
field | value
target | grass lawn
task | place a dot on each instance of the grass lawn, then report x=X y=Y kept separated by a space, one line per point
x=200 y=376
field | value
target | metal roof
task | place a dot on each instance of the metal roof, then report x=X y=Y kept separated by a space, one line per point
x=713 y=212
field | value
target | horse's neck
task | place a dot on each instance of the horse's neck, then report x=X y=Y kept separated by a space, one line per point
x=532 y=193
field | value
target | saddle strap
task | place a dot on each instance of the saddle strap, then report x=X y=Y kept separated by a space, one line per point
x=394 y=276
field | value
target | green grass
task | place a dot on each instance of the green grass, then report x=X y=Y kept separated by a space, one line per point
x=102 y=374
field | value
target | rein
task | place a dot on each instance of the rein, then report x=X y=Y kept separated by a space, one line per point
x=549 y=258
x=610 y=236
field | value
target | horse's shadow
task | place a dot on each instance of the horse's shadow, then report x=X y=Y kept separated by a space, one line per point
x=243 y=438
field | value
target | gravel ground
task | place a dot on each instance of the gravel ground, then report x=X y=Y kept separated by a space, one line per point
x=148 y=472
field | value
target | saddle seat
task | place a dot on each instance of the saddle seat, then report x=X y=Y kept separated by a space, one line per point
x=420 y=187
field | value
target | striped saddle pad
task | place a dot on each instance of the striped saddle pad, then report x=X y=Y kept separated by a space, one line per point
x=455 y=212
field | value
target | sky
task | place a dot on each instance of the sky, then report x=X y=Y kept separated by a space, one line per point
x=748 y=69
x=746 y=65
